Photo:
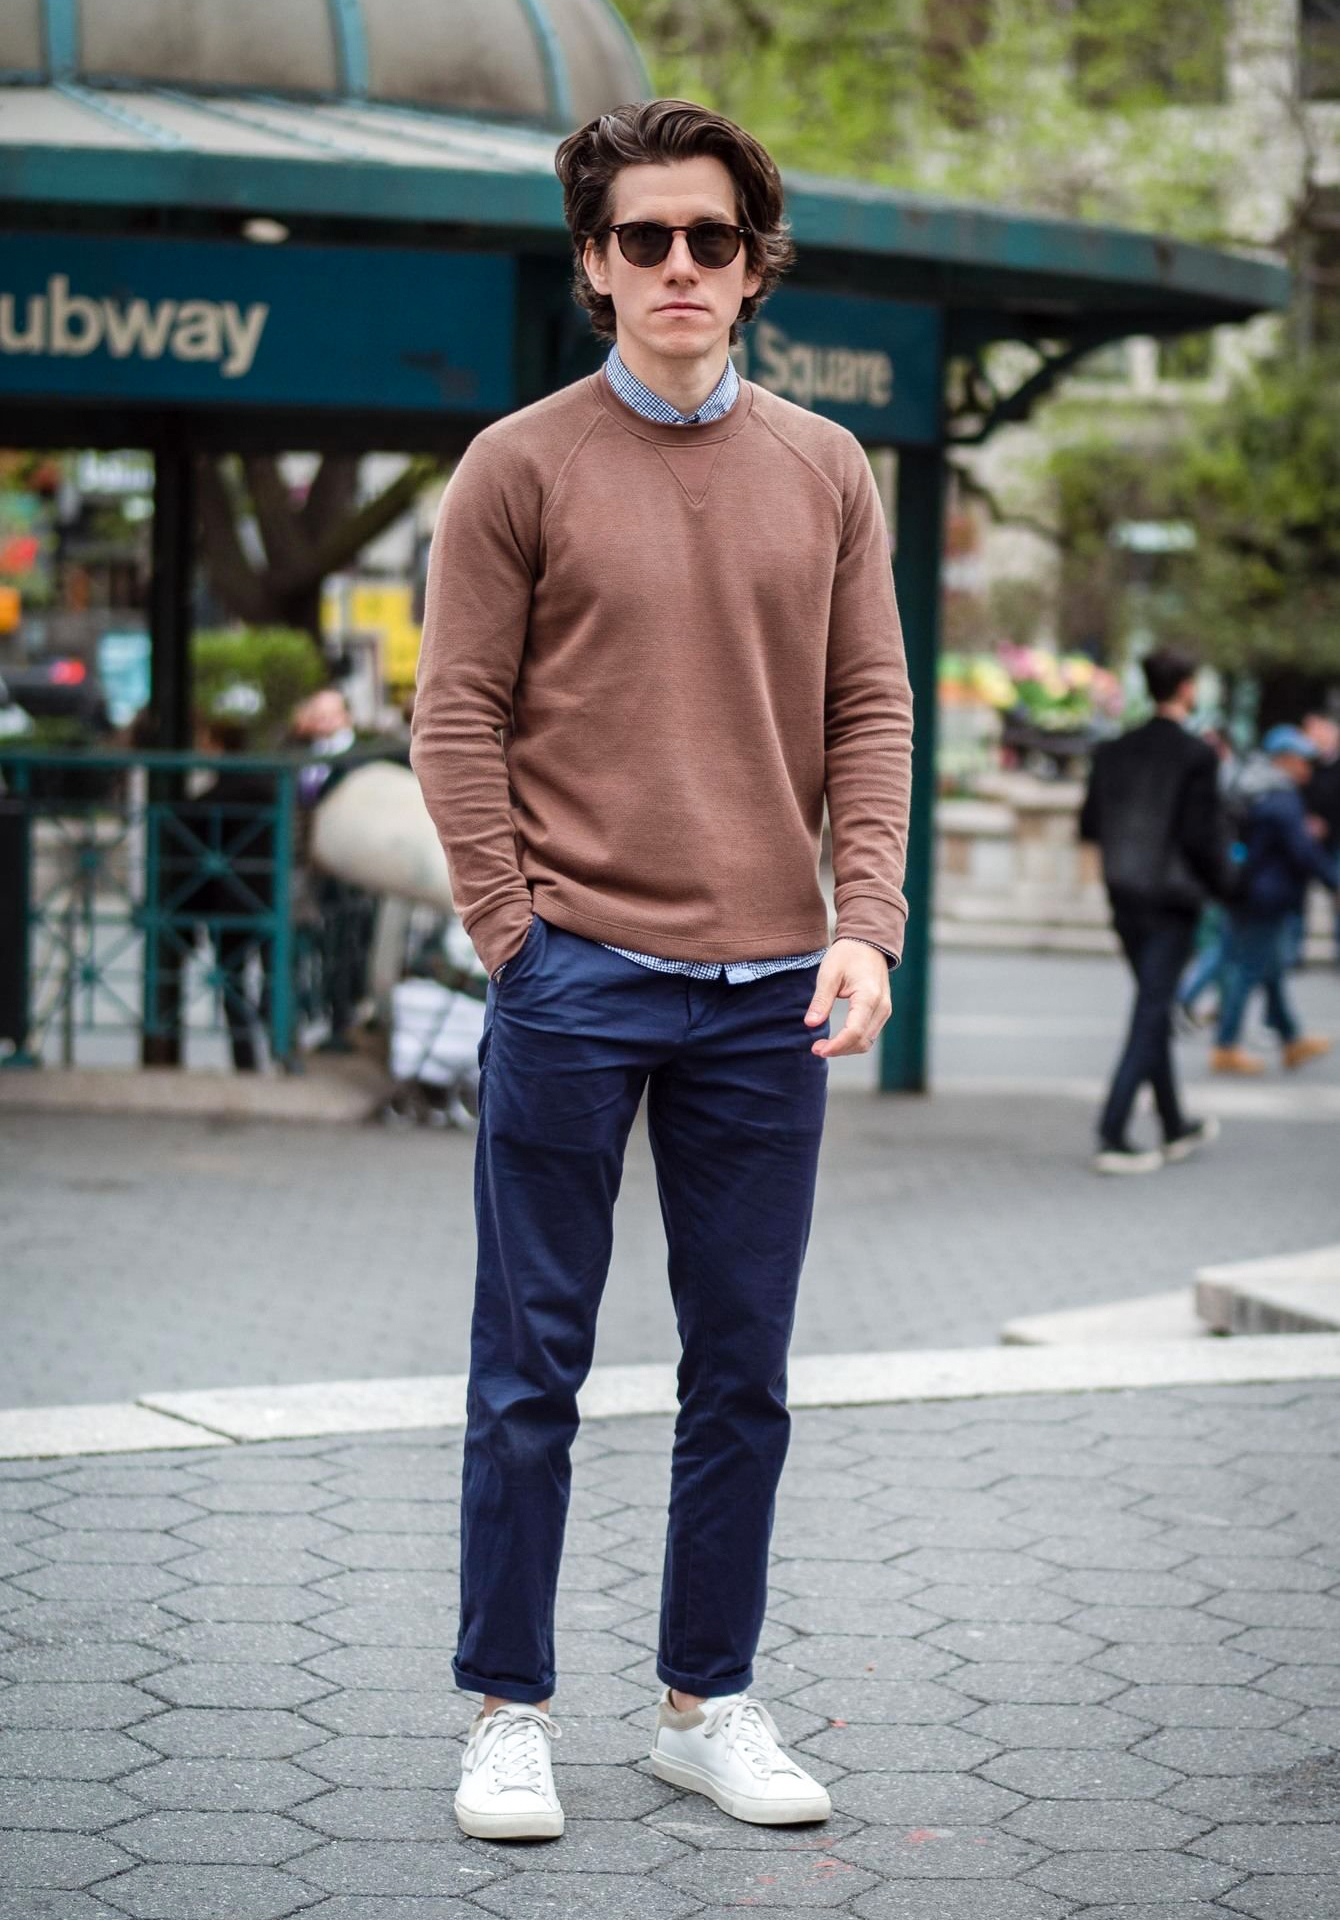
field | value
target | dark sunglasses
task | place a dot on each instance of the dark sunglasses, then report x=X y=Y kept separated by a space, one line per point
x=645 y=243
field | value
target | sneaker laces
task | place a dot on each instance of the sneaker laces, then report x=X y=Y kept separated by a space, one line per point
x=513 y=1740
x=749 y=1729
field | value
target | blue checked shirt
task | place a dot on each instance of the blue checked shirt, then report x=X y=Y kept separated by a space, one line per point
x=717 y=404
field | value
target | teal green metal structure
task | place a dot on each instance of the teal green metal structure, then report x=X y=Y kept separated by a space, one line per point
x=346 y=172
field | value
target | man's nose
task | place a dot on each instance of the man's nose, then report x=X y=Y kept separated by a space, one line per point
x=679 y=262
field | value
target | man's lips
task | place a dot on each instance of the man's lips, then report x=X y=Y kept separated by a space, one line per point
x=681 y=306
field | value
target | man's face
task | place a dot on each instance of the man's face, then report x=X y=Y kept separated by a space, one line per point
x=1324 y=734
x=1296 y=765
x=678 y=310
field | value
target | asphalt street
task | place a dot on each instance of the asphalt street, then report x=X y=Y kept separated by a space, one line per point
x=152 y=1254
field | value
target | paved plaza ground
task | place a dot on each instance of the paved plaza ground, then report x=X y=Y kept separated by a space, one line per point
x=1054 y=1655
x=152 y=1255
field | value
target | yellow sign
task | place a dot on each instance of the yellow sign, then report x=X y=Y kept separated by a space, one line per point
x=383 y=608
x=10 y=608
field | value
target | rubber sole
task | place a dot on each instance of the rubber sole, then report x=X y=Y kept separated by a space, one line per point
x=509 y=1826
x=758 y=1813
x=1179 y=1150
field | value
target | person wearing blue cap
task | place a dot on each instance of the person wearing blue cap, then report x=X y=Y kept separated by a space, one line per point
x=1283 y=855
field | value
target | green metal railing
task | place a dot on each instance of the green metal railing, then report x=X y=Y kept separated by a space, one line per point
x=135 y=889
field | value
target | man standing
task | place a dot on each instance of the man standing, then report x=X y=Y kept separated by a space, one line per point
x=670 y=592
x=1283 y=856
x=1153 y=808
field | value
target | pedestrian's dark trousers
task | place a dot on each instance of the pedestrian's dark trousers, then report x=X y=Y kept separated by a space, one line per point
x=573 y=1034
x=1157 y=945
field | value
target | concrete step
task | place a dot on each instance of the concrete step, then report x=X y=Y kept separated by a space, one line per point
x=1154 y=1316
x=1286 y=1293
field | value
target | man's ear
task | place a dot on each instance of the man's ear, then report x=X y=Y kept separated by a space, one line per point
x=593 y=260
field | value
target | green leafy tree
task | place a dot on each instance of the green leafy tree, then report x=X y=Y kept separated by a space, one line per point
x=1066 y=106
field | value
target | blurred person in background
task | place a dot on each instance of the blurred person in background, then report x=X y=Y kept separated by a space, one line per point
x=1153 y=810
x=1322 y=794
x=1283 y=855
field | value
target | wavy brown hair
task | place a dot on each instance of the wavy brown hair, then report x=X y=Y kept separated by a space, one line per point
x=657 y=132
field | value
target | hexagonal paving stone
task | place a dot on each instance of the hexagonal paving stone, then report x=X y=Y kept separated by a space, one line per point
x=279 y=1567
x=1223 y=1749
x=259 y=1533
x=1035 y=1683
x=423 y=1623
x=784 y=1878
x=947 y=1602
x=223 y=1786
x=157 y=1514
x=1015 y=1726
x=1197 y=1706
x=925 y=1749
x=1293 y=1896
x=80 y=1581
x=108 y=1548
x=964 y=1900
x=1079 y=1774
x=45 y=1754
x=206 y=1893
x=1278 y=1848
x=288 y=1495
x=51 y=1906
x=1023 y=1641
x=925 y=1800
x=269 y=1602
x=236 y=1683
x=883 y=1702
x=854 y=1656
x=1151 y=1874
x=941 y=1853
x=390 y=1760
x=55 y=1806
x=218 y=1732
x=47 y=1861
x=217 y=1839
x=1180 y=1665
x=427 y=1667
x=399 y=1866
x=545 y=1895
x=394 y=1711
x=80 y=1705
x=244 y=1640
x=114 y=1661
x=1076 y=1825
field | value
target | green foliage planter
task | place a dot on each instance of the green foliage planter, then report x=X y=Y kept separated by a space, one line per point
x=255 y=676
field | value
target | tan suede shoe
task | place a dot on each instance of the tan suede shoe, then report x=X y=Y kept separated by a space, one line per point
x=1235 y=1060
x=1311 y=1046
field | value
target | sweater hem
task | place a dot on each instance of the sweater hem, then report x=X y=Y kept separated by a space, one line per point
x=643 y=939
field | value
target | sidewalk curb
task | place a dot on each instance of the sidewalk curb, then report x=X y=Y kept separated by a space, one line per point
x=229 y=1416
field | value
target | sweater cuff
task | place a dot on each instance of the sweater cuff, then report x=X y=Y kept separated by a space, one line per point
x=498 y=934
x=892 y=958
x=874 y=920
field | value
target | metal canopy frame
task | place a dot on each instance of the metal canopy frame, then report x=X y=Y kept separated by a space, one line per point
x=457 y=183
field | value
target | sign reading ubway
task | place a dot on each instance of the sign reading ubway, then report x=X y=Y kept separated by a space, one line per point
x=297 y=326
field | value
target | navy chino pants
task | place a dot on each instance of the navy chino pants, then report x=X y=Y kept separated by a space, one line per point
x=573 y=1035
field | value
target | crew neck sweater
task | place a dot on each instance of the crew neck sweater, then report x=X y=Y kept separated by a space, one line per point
x=649 y=654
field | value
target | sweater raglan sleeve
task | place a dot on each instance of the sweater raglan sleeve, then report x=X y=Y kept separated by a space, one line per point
x=481 y=573
x=867 y=725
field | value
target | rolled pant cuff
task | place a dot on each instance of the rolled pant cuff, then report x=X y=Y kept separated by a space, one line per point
x=500 y=1689
x=684 y=1682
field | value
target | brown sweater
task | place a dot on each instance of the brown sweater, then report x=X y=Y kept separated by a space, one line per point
x=648 y=653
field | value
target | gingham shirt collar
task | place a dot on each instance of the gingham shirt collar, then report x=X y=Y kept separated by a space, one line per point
x=650 y=405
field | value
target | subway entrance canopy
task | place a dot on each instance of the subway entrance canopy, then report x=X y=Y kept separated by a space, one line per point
x=399 y=155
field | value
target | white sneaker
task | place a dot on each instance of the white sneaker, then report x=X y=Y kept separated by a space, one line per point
x=727 y=1748
x=507 y=1783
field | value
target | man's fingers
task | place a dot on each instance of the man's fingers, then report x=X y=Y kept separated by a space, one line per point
x=825 y=993
x=866 y=1014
